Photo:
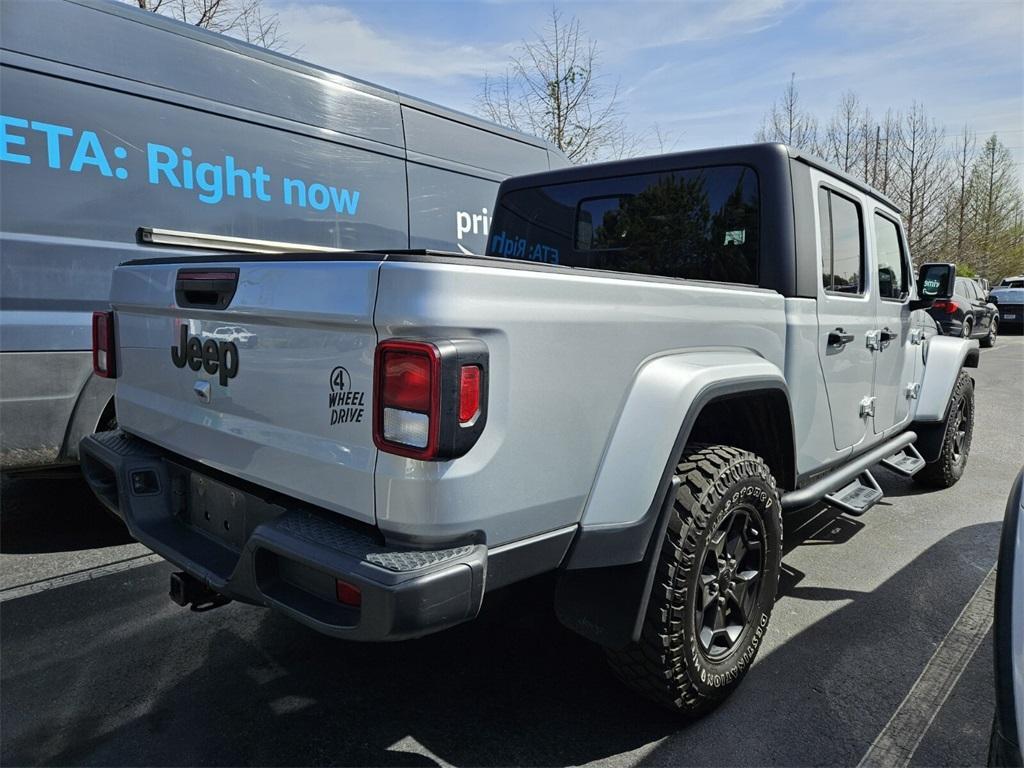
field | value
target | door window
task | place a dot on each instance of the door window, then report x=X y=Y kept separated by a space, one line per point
x=842 y=244
x=892 y=262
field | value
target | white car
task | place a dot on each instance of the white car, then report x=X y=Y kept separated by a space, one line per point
x=235 y=333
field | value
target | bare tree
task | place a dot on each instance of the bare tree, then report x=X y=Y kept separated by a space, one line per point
x=787 y=122
x=957 y=213
x=245 y=19
x=553 y=89
x=996 y=211
x=868 y=135
x=921 y=165
x=844 y=141
x=958 y=204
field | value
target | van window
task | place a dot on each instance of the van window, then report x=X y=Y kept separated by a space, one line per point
x=892 y=262
x=700 y=224
x=842 y=262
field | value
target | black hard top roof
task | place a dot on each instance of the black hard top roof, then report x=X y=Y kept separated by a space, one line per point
x=757 y=155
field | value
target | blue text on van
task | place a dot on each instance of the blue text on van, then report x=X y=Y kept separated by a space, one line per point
x=212 y=181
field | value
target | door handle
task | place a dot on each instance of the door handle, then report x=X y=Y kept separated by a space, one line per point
x=839 y=338
x=885 y=335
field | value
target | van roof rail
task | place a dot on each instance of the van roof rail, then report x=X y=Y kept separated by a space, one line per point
x=178 y=239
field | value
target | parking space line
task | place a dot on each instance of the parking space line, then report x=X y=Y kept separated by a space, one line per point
x=35 y=587
x=901 y=736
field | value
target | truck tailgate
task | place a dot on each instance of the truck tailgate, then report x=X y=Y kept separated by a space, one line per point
x=274 y=388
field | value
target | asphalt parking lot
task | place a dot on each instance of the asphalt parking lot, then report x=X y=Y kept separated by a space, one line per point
x=100 y=668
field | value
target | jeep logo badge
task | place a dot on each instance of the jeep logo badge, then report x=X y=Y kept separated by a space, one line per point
x=211 y=356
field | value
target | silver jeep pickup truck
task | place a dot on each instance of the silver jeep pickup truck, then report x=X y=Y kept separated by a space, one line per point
x=655 y=361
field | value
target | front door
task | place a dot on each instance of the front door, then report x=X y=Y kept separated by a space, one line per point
x=896 y=346
x=846 y=312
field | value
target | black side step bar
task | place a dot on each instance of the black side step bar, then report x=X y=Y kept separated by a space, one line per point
x=823 y=486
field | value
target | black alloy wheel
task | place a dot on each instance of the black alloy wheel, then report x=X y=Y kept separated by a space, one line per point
x=959 y=427
x=730 y=582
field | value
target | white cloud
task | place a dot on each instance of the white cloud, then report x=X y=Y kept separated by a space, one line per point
x=334 y=37
x=624 y=28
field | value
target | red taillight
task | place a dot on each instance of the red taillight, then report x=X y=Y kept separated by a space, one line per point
x=348 y=594
x=469 y=393
x=103 y=350
x=407 y=381
x=429 y=397
x=407 y=398
x=948 y=306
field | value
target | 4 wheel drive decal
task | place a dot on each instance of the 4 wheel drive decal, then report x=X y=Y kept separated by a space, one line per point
x=346 y=404
x=220 y=357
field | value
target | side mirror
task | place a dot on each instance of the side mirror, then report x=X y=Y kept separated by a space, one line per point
x=934 y=281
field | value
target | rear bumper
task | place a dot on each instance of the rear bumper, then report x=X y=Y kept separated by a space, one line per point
x=1011 y=315
x=267 y=550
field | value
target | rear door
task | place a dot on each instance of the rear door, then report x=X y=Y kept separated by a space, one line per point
x=258 y=369
x=846 y=310
x=896 y=344
x=982 y=312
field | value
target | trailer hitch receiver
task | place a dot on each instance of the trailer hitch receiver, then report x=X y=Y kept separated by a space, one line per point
x=187 y=590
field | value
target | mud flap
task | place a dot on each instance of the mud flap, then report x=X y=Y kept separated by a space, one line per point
x=607 y=605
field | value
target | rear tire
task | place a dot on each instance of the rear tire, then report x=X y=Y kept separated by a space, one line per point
x=956 y=438
x=993 y=330
x=715 y=583
x=966 y=329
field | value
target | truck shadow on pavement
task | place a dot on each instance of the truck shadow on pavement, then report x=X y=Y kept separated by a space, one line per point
x=47 y=514
x=152 y=684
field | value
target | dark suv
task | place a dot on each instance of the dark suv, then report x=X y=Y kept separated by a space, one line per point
x=967 y=313
x=1009 y=302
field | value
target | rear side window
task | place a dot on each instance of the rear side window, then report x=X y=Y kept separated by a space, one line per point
x=892 y=263
x=700 y=224
x=842 y=243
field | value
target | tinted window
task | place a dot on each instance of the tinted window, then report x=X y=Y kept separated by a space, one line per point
x=846 y=246
x=701 y=224
x=961 y=288
x=825 y=227
x=597 y=224
x=892 y=272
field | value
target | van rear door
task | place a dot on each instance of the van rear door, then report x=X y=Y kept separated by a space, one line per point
x=258 y=368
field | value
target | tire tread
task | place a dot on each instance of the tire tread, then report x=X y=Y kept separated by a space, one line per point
x=655 y=666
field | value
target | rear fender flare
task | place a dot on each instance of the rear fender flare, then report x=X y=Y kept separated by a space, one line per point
x=667 y=396
x=603 y=590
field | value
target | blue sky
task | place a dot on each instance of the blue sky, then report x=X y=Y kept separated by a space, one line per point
x=703 y=72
